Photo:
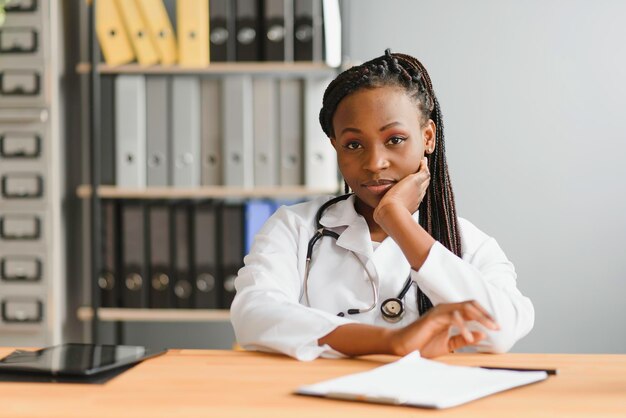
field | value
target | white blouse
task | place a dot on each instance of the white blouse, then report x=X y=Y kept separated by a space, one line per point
x=269 y=314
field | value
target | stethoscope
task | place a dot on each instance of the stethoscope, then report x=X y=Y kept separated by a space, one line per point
x=392 y=309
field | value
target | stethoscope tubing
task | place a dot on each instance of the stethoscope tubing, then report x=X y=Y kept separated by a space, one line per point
x=321 y=232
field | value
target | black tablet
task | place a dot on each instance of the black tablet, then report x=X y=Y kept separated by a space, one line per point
x=75 y=359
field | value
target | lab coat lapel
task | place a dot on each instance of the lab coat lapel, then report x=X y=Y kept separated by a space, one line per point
x=356 y=236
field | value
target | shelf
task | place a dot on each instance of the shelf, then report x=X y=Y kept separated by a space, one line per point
x=219 y=69
x=205 y=192
x=85 y=313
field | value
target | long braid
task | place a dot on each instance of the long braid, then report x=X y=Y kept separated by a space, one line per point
x=437 y=212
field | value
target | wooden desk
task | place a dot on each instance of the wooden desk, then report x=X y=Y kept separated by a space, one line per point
x=207 y=383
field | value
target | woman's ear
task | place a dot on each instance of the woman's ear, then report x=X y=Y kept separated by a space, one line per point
x=429 y=134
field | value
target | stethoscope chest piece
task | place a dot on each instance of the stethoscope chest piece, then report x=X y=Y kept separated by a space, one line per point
x=392 y=309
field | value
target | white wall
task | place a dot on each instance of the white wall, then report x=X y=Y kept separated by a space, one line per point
x=534 y=100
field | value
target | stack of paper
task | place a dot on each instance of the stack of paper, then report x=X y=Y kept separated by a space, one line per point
x=414 y=381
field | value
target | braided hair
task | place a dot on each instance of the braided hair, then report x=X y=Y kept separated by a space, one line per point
x=437 y=212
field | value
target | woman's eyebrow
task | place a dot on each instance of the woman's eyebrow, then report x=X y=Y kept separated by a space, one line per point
x=389 y=125
x=355 y=130
x=358 y=131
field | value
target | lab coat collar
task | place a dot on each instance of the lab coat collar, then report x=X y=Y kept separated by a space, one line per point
x=356 y=237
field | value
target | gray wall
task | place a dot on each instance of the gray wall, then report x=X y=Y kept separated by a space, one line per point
x=533 y=94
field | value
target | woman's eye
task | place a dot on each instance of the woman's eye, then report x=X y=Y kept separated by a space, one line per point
x=353 y=145
x=395 y=140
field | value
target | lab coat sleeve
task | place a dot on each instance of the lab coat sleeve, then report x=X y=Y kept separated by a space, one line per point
x=266 y=314
x=483 y=274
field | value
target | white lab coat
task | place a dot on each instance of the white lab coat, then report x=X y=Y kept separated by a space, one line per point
x=268 y=314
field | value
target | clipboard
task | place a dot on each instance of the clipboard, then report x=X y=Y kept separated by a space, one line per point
x=418 y=382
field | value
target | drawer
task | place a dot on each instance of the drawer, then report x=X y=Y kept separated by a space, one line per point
x=20 y=145
x=19 y=83
x=20 y=6
x=18 y=268
x=20 y=227
x=22 y=186
x=18 y=41
x=22 y=310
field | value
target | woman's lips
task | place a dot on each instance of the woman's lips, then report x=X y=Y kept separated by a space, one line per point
x=379 y=187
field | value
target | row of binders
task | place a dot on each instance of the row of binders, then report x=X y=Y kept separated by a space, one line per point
x=190 y=131
x=182 y=255
x=218 y=30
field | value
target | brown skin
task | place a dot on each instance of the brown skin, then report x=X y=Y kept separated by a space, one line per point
x=381 y=139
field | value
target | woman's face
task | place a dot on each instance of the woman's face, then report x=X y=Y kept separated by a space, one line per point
x=379 y=140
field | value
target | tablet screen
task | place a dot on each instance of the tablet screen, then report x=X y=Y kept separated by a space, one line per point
x=75 y=359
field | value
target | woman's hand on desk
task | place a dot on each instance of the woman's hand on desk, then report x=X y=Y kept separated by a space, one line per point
x=430 y=333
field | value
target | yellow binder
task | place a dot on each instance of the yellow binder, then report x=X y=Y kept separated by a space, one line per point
x=112 y=35
x=138 y=33
x=160 y=29
x=193 y=32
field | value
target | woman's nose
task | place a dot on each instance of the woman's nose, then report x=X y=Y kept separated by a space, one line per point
x=375 y=160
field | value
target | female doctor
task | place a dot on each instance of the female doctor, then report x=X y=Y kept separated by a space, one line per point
x=360 y=274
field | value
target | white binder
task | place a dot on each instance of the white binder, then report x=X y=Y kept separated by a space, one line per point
x=211 y=130
x=185 y=131
x=130 y=130
x=157 y=98
x=332 y=32
x=290 y=132
x=237 y=128
x=320 y=161
x=265 y=103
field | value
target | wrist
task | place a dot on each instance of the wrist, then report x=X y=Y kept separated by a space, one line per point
x=388 y=211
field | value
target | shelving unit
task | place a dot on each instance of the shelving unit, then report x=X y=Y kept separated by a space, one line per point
x=85 y=313
x=206 y=192
x=94 y=69
x=32 y=133
x=219 y=68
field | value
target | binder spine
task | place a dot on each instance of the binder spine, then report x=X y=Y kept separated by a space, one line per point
x=134 y=294
x=183 y=288
x=186 y=131
x=237 y=128
x=205 y=236
x=130 y=130
x=159 y=266
x=248 y=30
x=222 y=38
x=157 y=130
x=211 y=127
x=291 y=171
x=265 y=115
x=278 y=30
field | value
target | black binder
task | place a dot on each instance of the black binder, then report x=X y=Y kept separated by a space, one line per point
x=108 y=281
x=248 y=30
x=278 y=30
x=307 y=31
x=107 y=129
x=183 y=288
x=232 y=249
x=222 y=37
x=205 y=254
x=159 y=266
x=134 y=286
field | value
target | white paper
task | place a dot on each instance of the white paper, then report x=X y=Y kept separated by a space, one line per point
x=416 y=381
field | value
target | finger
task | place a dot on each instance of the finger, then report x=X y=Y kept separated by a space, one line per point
x=471 y=311
x=457 y=320
x=458 y=341
x=483 y=310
